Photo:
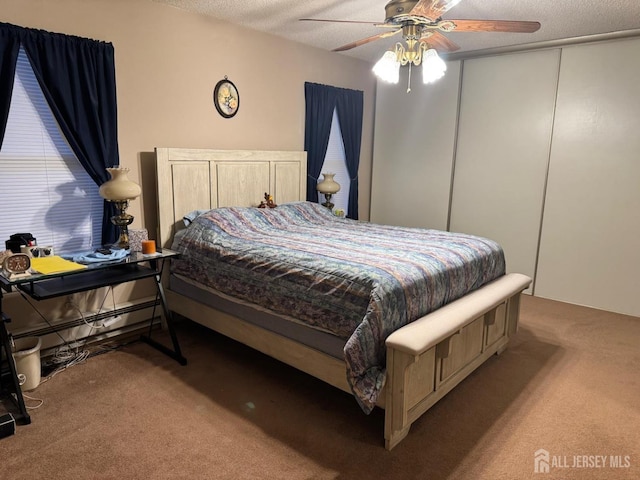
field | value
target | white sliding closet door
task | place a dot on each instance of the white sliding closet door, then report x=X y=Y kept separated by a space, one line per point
x=590 y=247
x=506 y=119
x=413 y=150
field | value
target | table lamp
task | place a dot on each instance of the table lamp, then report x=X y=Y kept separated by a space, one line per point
x=120 y=190
x=328 y=186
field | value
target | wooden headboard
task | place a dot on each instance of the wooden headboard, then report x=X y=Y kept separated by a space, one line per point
x=199 y=179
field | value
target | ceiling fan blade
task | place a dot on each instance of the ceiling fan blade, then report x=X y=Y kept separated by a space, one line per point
x=432 y=9
x=494 y=26
x=439 y=42
x=364 y=41
x=336 y=21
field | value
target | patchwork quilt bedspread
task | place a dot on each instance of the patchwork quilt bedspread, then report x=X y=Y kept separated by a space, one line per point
x=357 y=280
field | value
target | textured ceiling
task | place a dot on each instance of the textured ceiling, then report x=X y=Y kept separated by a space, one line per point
x=560 y=19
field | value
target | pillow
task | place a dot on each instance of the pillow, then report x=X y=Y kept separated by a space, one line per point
x=191 y=216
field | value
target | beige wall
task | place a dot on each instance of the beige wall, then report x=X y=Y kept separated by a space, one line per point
x=167 y=64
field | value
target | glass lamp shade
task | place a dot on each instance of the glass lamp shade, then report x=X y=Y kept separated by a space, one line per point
x=433 y=67
x=119 y=187
x=328 y=184
x=387 y=68
x=119 y=190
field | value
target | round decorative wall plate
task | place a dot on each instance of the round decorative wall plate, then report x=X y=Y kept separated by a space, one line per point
x=226 y=98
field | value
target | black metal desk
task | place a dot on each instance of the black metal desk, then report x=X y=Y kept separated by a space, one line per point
x=104 y=274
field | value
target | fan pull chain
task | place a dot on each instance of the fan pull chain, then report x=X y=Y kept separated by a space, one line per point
x=409 y=81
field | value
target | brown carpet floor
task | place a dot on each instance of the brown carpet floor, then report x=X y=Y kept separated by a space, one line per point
x=568 y=383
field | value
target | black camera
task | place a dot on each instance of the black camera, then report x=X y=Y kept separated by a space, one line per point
x=18 y=240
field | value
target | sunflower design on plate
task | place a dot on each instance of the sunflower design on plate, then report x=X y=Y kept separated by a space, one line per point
x=226 y=98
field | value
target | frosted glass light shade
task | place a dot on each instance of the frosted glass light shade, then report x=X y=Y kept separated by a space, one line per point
x=433 y=67
x=328 y=184
x=387 y=68
x=119 y=187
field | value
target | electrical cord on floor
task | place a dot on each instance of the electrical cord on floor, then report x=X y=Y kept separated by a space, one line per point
x=76 y=359
x=84 y=355
x=22 y=379
x=33 y=407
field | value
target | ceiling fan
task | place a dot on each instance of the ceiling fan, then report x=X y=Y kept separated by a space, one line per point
x=420 y=22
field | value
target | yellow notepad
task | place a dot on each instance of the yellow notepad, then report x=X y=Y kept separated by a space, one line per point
x=54 y=264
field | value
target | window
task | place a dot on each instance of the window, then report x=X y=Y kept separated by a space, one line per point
x=44 y=190
x=335 y=162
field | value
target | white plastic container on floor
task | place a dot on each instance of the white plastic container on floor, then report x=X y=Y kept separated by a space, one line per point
x=26 y=355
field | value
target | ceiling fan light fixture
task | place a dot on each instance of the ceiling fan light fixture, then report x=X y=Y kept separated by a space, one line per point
x=387 y=68
x=433 y=67
x=419 y=22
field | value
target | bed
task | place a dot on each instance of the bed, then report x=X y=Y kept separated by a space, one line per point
x=423 y=358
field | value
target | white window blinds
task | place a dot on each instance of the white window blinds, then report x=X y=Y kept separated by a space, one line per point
x=43 y=188
x=335 y=162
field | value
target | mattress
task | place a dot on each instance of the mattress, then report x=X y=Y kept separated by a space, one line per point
x=283 y=325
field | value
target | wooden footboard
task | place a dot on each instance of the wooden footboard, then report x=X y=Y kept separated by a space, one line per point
x=429 y=357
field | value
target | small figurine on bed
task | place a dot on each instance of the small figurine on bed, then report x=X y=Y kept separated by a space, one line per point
x=267 y=202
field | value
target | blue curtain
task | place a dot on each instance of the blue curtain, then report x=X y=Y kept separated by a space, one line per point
x=320 y=102
x=9 y=48
x=350 y=111
x=77 y=77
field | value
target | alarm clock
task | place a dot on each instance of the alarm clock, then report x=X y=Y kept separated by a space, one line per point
x=16 y=265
